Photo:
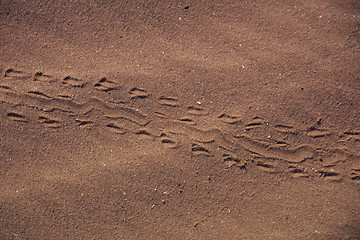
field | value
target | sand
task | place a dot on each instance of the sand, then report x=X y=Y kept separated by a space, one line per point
x=179 y=119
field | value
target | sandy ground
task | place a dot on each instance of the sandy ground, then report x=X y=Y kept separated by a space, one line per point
x=179 y=119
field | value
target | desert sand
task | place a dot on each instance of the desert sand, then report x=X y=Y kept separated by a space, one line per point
x=180 y=119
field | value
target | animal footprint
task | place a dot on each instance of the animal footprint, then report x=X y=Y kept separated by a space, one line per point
x=39 y=76
x=84 y=123
x=17 y=117
x=257 y=122
x=5 y=88
x=266 y=167
x=200 y=150
x=168 y=141
x=73 y=82
x=186 y=120
x=16 y=74
x=160 y=115
x=330 y=174
x=355 y=174
x=138 y=93
x=196 y=110
x=229 y=119
x=39 y=94
x=285 y=129
x=106 y=85
x=232 y=160
x=113 y=127
x=169 y=101
x=297 y=172
x=350 y=135
x=52 y=123
x=280 y=143
x=64 y=96
x=317 y=133
x=144 y=132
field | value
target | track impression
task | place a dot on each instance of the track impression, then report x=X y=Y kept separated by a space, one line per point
x=51 y=101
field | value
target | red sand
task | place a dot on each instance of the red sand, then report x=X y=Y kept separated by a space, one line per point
x=179 y=120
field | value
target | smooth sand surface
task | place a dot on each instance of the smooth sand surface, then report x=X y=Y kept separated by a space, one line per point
x=179 y=119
